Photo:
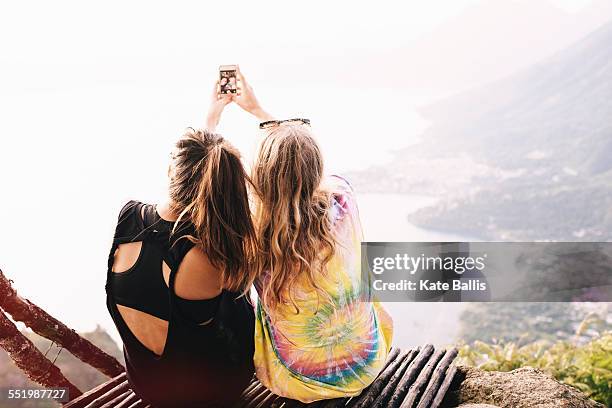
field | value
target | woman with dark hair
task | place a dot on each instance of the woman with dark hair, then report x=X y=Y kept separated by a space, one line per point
x=177 y=282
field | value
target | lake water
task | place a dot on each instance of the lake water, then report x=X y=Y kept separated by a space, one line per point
x=384 y=218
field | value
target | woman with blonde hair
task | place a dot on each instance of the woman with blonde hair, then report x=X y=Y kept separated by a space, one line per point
x=316 y=335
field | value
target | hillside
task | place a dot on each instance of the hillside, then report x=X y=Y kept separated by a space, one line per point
x=528 y=157
x=560 y=109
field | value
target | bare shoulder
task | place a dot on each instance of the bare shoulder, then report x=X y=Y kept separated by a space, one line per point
x=197 y=278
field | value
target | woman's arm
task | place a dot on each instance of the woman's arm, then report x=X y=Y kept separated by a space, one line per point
x=245 y=98
x=217 y=103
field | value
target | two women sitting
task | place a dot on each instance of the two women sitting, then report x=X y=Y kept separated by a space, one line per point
x=180 y=274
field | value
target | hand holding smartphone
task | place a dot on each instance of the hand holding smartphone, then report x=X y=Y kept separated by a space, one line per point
x=229 y=76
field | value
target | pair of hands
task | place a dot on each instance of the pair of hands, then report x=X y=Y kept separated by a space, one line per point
x=244 y=97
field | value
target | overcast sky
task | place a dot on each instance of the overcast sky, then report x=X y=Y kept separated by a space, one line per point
x=93 y=95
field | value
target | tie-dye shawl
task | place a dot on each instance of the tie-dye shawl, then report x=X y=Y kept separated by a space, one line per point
x=333 y=347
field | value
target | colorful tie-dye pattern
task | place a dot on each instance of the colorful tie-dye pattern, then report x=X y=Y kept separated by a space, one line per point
x=333 y=347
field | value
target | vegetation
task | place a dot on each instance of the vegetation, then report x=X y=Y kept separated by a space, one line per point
x=586 y=366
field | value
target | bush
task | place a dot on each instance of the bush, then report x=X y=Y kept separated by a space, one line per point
x=587 y=367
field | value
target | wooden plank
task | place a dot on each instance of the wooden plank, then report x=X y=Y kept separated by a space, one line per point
x=436 y=379
x=267 y=401
x=94 y=393
x=117 y=400
x=259 y=397
x=393 y=353
x=367 y=397
x=30 y=360
x=109 y=395
x=391 y=387
x=129 y=401
x=248 y=397
x=413 y=370
x=415 y=390
x=250 y=387
x=44 y=324
x=448 y=379
x=139 y=404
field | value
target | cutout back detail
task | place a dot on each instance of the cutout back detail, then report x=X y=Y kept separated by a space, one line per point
x=141 y=288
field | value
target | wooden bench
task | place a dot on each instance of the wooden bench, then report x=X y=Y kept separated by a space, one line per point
x=416 y=378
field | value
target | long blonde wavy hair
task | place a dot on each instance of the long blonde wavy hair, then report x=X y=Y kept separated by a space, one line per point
x=292 y=222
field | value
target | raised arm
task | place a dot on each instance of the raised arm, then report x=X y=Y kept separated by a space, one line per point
x=217 y=103
x=245 y=98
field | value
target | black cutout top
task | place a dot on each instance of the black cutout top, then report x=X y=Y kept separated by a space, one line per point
x=201 y=364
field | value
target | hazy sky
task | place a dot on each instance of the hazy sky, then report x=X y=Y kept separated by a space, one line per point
x=93 y=95
x=571 y=5
x=81 y=43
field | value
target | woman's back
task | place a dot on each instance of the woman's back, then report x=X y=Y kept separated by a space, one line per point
x=337 y=343
x=180 y=351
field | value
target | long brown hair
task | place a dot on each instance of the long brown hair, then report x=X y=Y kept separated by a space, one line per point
x=208 y=186
x=293 y=227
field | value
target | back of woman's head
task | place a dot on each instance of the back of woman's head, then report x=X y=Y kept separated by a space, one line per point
x=293 y=227
x=208 y=186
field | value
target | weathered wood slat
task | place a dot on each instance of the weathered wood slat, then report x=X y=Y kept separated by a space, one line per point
x=448 y=379
x=94 y=393
x=436 y=379
x=410 y=375
x=128 y=401
x=250 y=387
x=49 y=327
x=389 y=388
x=414 y=392
x=139 y=404
x=267 y=400
x=259 y=397
x=248 y=397
x=277 y=402
x=117 y=400
x=368 y=395
x=109 y=395
x=393 y=353
x=30 y=360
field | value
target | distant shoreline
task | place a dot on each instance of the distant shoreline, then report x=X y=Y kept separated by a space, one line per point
x=384 y=218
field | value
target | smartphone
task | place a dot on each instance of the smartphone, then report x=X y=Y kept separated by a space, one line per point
x=227 y=79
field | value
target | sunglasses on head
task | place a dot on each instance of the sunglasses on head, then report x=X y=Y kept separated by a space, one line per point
x=273 y=123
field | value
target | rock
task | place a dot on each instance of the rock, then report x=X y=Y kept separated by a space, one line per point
x=525 y=387
x=477 y=406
